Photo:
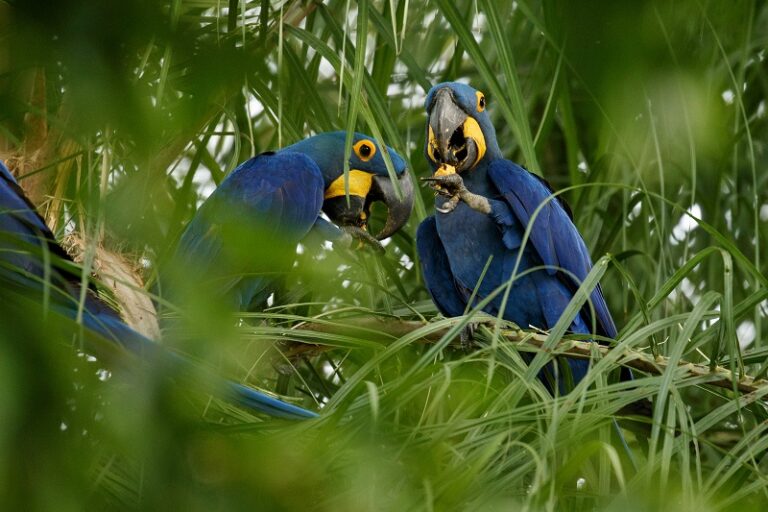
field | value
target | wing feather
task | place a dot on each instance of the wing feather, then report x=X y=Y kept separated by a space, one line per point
x=554 y=236
x=240 y=235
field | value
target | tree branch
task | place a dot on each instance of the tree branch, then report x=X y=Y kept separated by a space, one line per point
x=527 y=341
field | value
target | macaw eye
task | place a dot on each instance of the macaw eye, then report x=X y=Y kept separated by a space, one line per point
x=480 y=101
x=365 y=150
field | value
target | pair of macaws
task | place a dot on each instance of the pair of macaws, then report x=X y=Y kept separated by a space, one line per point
x=274 y=200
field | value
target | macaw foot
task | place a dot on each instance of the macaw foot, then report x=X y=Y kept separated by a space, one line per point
x=467 y=336
x=446 y=184
x=449 y=185
x=362 y=236
x=452 y=185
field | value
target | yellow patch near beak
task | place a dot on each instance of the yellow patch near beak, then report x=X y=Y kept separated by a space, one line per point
x=473 y=131
x=359 y=185
x=431 y=145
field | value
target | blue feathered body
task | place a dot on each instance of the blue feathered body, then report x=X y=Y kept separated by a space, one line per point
x=456 y=247
x=243 y=238
x=244 y=235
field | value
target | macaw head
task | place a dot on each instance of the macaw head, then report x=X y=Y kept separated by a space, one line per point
x=367 y=182
x=459 y=130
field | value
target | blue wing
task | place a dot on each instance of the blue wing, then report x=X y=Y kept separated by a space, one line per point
x=35 y=269
x=554 y=236
x=242 y=236
x=445 y=291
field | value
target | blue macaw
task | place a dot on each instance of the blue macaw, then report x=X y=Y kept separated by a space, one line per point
x=35 y=269
x=245 y=234
x=484 y=204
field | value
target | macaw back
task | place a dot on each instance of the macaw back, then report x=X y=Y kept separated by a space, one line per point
x=244 y=236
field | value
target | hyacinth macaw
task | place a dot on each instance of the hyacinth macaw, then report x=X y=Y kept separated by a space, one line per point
x=244 y=236
x=484 y=204
x=36 y=271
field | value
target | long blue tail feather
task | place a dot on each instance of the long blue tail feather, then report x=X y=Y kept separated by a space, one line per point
x=253 y=399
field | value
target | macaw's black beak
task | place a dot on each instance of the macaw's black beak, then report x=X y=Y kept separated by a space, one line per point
x=343 y=213
x=398 y=209
x=455 y=138
x=356 y=211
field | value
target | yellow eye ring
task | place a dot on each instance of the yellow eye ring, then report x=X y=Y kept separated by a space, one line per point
x=364 y=149
x=480 y=101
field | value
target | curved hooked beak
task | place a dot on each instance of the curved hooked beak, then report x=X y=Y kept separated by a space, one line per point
x=455 y=138
x=398 y=210
x=364 y=190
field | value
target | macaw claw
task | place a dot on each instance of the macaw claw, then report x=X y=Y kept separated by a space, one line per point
x=449 y=185
x=452 y=184
x=467 y=336
x=363 y=236
x=449 y=205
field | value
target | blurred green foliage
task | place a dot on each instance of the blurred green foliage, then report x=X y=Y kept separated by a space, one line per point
x=119 y=117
